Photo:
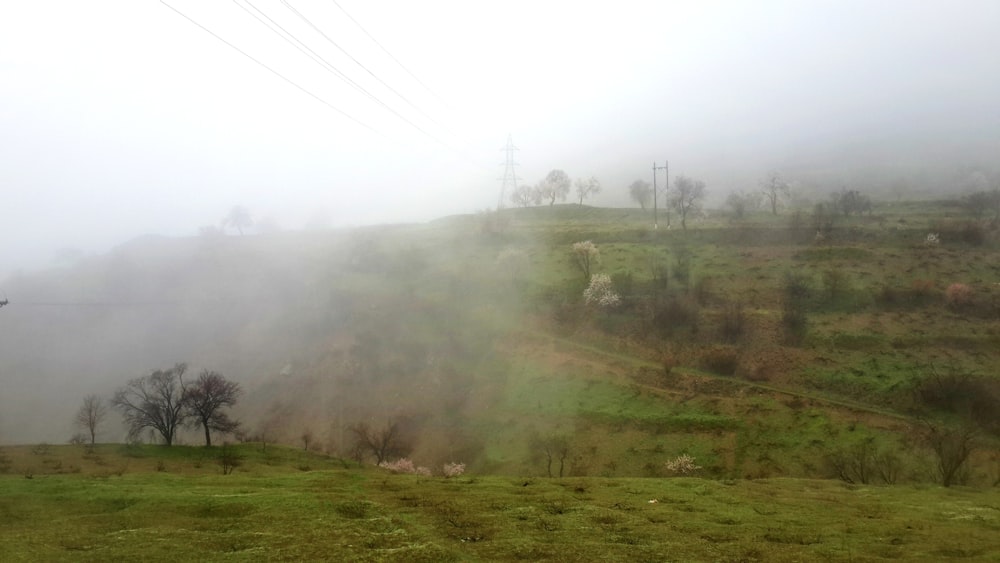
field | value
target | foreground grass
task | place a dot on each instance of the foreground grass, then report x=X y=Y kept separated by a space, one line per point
x=281 y=510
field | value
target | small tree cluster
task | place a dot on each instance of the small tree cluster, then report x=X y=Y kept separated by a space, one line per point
x=163 y=402
x=681 y=465
x=601 y=292
x=863 y=462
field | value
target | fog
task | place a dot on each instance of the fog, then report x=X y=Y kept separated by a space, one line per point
x=125 y=118
x=121 y=119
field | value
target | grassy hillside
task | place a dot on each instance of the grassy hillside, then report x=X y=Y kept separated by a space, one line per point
x=170 y=504
x=763 y=347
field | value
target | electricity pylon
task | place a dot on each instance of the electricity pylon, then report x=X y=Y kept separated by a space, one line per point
x=509 y=179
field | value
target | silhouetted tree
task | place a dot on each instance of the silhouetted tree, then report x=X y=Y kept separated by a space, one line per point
x=205 y=399
x=383 y=444
x=774 y=189
x=588 y=187
x=239 y=218
x=641 y=192
x=91 y=414
x=155 y=402
x=952 y=446
x=552 y=448
x=687 y=197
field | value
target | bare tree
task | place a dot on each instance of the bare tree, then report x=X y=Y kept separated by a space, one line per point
x=774 y=189
x=383 y=444
x=522 y=196
x=741 y=202
x=586 y=188
x=952 y=446
x=552 y=448
x=205 y=399
x=555 y=185
x=91 y=414
x=155 y=402
x=641 y=192
x=687 y=197
x=239 y=218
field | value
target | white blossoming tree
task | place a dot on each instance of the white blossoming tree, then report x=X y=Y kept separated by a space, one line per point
x=586 y=256
x=601 y=292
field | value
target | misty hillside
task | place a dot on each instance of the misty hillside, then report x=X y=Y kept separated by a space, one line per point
x=474 y=334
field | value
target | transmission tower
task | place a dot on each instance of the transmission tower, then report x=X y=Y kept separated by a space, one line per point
x=510 y=178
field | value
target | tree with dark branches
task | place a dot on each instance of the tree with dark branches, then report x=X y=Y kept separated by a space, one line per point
x=204 y=400
x=687 y=197
x=385 y=443
x=155 y=401
x=774 y=189
x=91 y=414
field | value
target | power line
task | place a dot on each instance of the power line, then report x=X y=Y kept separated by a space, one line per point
x=305 y=49
x=276 y=73
x=401 y=65
x=356 y=61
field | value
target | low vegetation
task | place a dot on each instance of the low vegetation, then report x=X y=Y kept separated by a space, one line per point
x=287 y=504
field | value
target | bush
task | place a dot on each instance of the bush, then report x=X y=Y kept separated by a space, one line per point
x=405 y=465
x=734 y=321
x=722 y=360
x=958 y=295
x=673 y=314
x=453 y=469
x=681 y=465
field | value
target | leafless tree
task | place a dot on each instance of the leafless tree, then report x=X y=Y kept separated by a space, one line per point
x=687 y=197
x=155 y=402
x=239 y=218
x=552 y=448
x=522 y=196
x=774 y=189
x=91 y=414
x=641 y=192
x=205 y=399
x=952 y=446
x=385 y=443
x=586 y=188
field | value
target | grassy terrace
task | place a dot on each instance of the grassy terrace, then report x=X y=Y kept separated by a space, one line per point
x=160 y=504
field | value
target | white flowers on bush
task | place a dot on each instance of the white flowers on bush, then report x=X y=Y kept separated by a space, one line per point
x=404 y=465
x=682 y=465
x=453 y=469
x=601 y=292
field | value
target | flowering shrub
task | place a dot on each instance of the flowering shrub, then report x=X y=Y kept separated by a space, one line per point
x=958 y=295
x=453 y=469
x=682 y=465
x=586 y=255
x=601 y=292
x=404 y=465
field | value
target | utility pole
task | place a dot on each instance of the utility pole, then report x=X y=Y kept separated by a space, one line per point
x=509 y=175
x=655 y=219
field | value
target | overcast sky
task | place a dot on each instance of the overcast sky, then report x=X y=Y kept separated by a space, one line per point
x=121 y=118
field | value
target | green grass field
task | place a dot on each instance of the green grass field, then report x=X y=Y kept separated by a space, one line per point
x=289 y=505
